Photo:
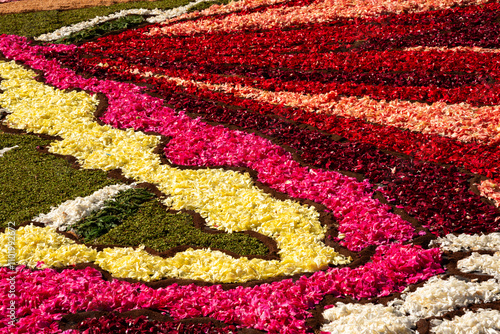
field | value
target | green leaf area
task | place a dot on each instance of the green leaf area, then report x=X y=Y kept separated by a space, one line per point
x=116 y=210
x=32 y=182
x=156 y=228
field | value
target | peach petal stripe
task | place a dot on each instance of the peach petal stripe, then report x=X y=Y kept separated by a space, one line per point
x=491 y=190
x=452 y=49
x=319 y=11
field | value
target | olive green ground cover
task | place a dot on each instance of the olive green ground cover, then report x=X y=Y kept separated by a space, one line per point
x=31 y=182
x=36 y=23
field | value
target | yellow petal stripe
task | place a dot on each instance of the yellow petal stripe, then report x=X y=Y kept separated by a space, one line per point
x=228 y=200
x=34 y=244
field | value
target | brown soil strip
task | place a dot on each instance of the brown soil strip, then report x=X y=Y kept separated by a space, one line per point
x=24 y=6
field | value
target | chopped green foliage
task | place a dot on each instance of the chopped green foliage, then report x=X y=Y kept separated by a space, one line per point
x=129 y=21
x=205 y=5
x=32 y=182
x=36 y=23
x=154 y=227
x=123 y=205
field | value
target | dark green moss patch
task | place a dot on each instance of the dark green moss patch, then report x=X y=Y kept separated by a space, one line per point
x=129 y=21
x=32 y=182
x=116 y=210
x=160 y=230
